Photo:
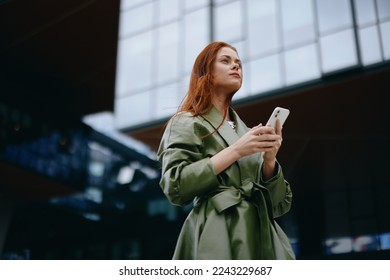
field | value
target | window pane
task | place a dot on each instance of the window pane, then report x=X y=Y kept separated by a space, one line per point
x=302 y=64
x=184 y=84
x=134 y=70
x=196 y=36
x=384 y=9
x=262 y=27
x=167 y=100
x=219 y=2
x=265 y=74
x=333 y=15
x=338 y=51
x=168 y=53
x=240 y=47
x=126 y=4
x=298 y=22
x=168 y=10
x=132 y=110
x=228 y=22
x=365 y=12
x=135 y=20
x=191 y=4
x=385 y=33
x=369 y=45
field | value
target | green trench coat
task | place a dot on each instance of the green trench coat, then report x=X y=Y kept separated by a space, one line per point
x=233 y=213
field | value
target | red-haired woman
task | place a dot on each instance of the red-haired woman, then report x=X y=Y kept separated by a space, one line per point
x=230 y=172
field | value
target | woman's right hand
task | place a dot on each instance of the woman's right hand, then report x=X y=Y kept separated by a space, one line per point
x=258 y=139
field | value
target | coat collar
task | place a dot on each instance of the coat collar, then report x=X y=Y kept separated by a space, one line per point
x=214 y=117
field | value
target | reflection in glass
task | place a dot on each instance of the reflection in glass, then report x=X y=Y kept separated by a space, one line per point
x=132 y=110
x=265 y=74
x=338 y=51
x=298 y=22
x=134 y=63
x=301 y=64
x=168 y=10
x=168 y=53
x=135 y=20
x=228 y=22
x=60 y=155
x=365 y=12
x=338 y=245
x=385 y=34
x=167 y=100
x=333 y=15
x=385 y=241
x=262 y=27
x=383 y=9
x=161 y=206
x=369 y=45
x=366 y=243
x=196 y=35
x=96 y=168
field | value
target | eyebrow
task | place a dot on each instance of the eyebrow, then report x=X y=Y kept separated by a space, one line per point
x=229 y=57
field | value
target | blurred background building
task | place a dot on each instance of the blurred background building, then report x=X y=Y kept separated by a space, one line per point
x=87 y=86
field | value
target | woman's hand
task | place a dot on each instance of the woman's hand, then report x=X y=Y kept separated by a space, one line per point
x=260 y=138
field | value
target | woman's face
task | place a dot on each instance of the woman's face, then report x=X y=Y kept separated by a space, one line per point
x=227 y=72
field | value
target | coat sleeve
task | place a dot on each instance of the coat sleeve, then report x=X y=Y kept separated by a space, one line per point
x=280 y=192
x=186 y=172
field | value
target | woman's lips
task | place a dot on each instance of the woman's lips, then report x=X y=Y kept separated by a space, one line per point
x=235 y=75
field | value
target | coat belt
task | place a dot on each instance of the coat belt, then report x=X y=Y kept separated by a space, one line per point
x=225 y=197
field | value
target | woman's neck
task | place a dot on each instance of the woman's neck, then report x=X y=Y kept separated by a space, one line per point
x=221 y=105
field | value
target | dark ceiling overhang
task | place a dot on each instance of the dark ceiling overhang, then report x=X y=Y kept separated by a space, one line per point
x=58 y=58
x=57 y=64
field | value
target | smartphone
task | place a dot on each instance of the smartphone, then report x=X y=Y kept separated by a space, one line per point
x=278 y=113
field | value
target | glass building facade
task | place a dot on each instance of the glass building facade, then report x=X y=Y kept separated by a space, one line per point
x=282 y=44
x=73 y=190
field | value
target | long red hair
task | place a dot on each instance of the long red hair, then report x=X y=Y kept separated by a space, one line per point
x=199 y=95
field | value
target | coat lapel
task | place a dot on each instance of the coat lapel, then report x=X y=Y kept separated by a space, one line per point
x=214 y=117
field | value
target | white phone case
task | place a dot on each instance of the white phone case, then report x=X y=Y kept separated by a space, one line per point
x=278 y=113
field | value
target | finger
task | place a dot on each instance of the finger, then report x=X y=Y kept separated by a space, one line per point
x=268 y=138
x=270 y=145
x=264 y=130
x=253 y=129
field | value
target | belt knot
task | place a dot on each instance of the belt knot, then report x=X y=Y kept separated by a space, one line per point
x=228 y=196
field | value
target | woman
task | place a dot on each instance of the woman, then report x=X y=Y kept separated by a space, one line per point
x=229 y=171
